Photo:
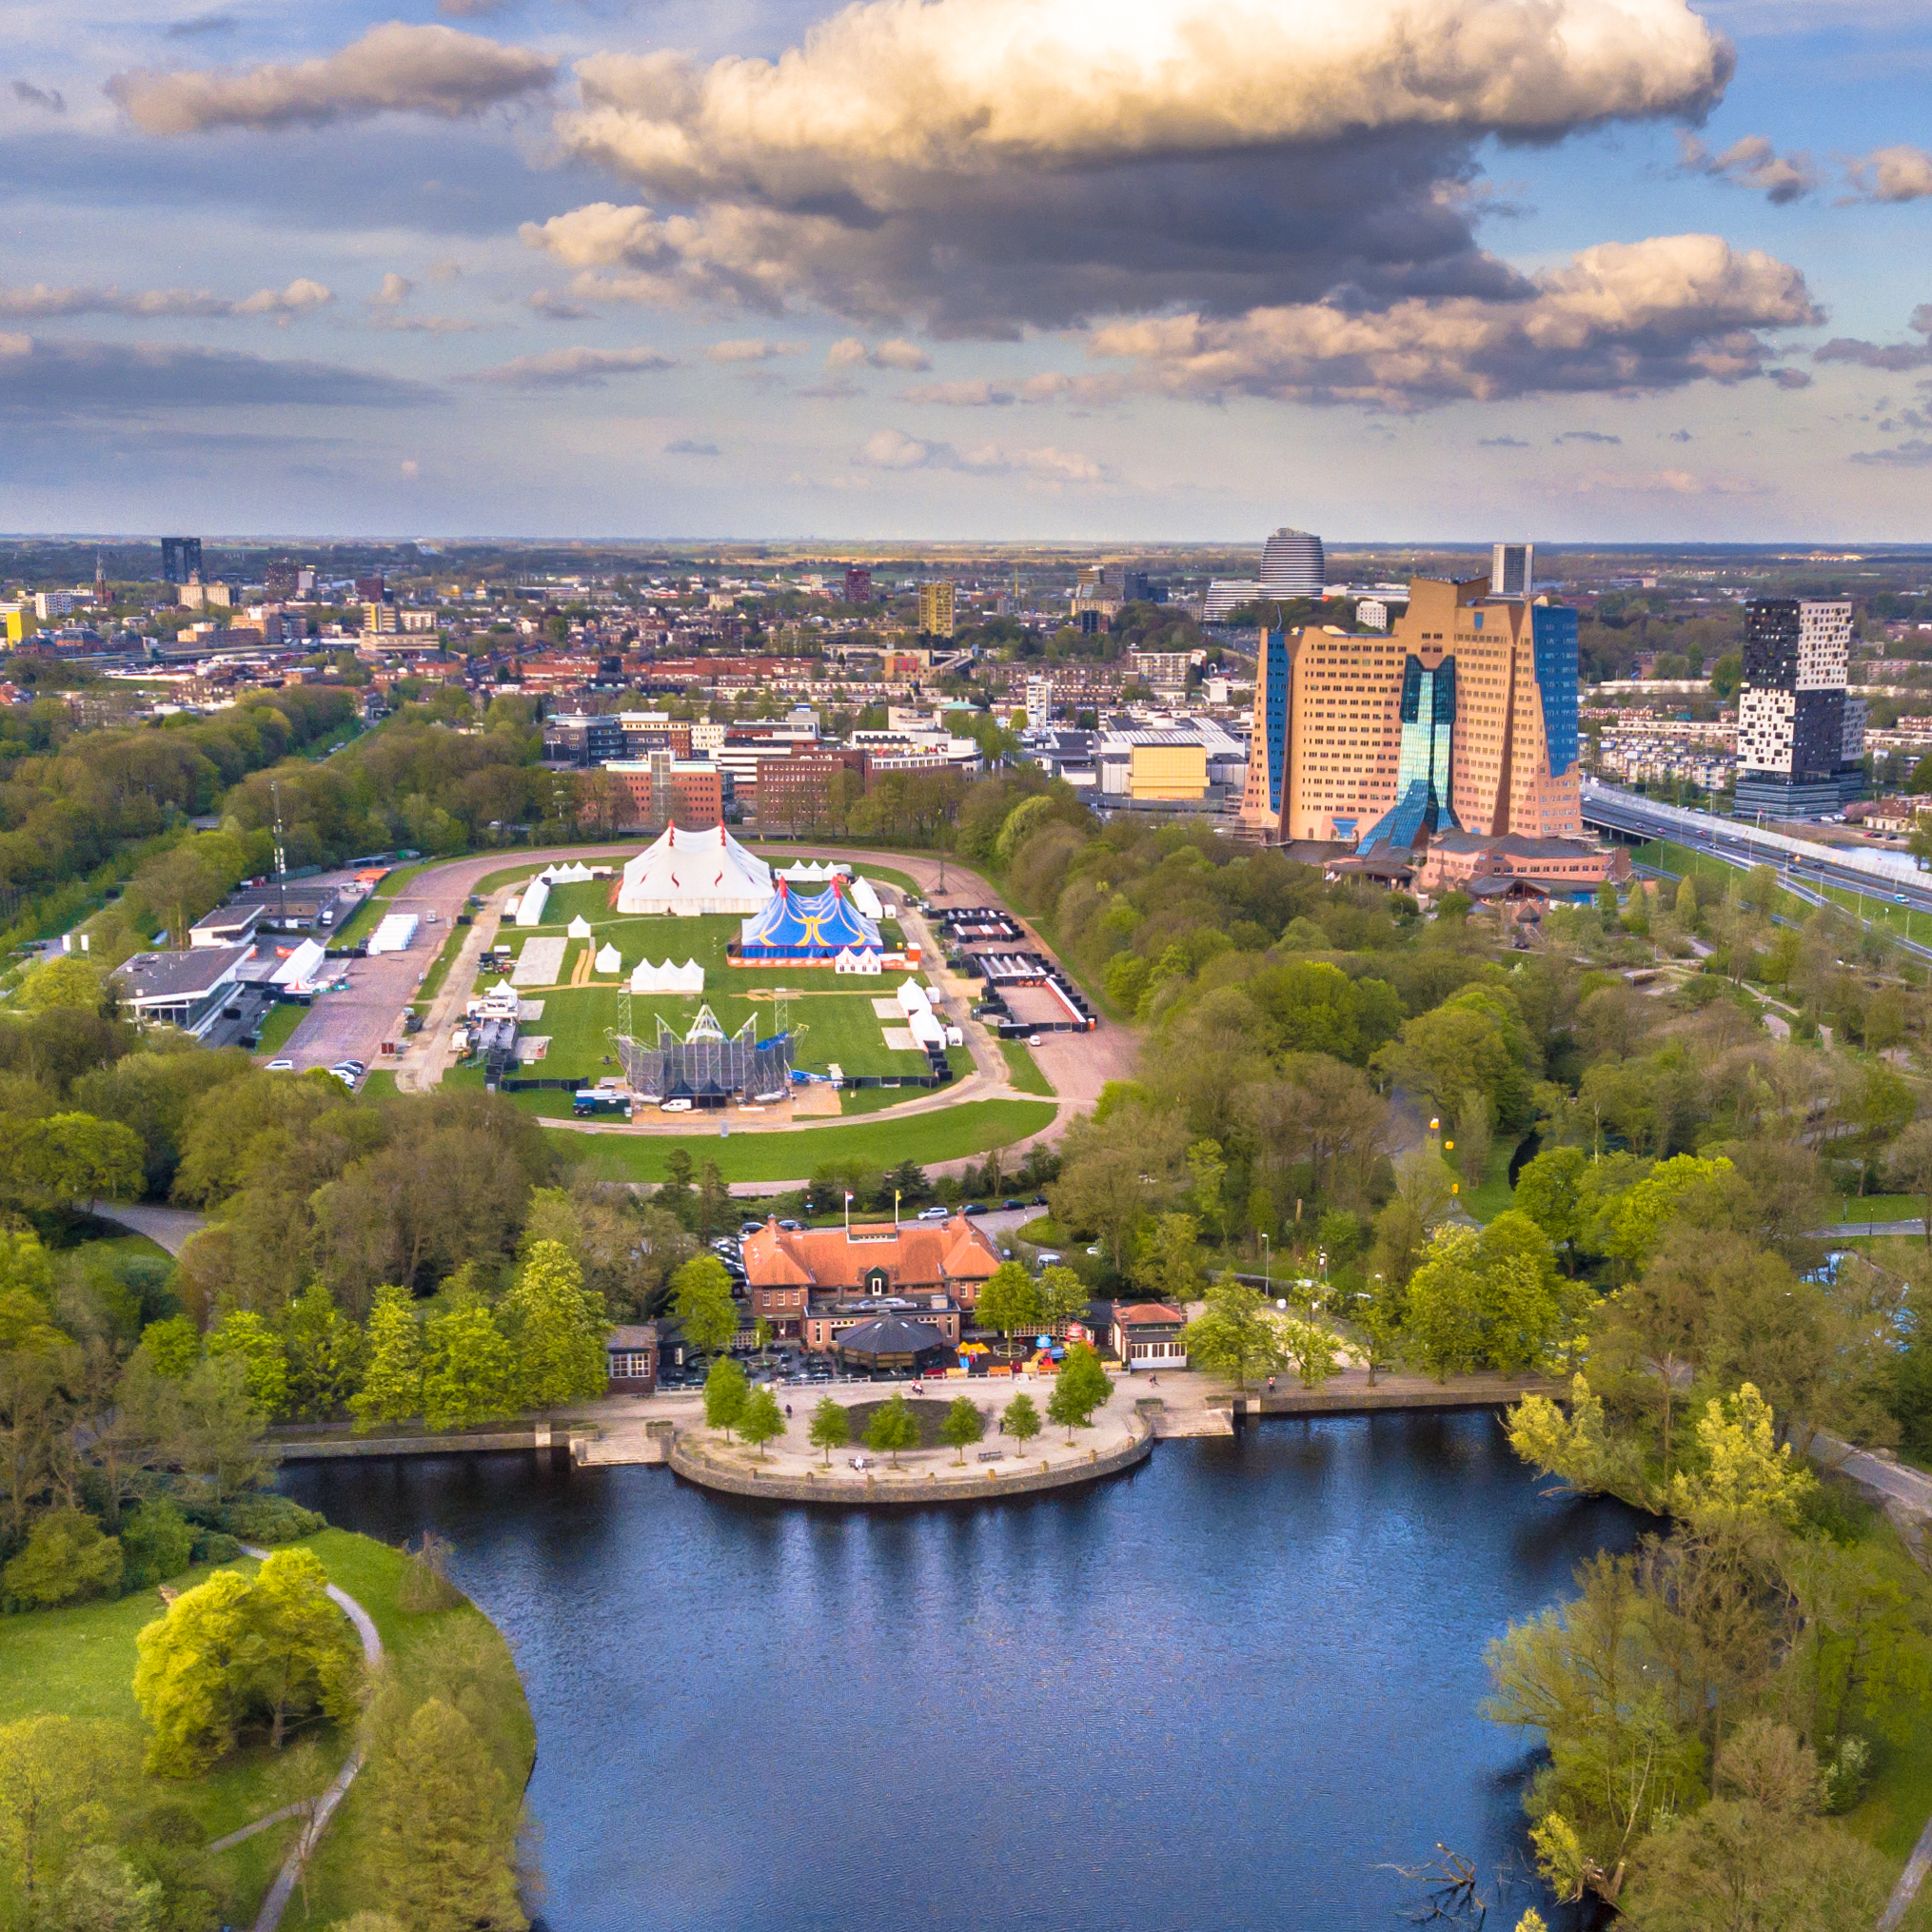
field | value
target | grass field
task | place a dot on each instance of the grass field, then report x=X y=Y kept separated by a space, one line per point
x=949 y=1134
x=1023 y=1068
x=284 y=1018
x=80 y=1662
x=432 y=981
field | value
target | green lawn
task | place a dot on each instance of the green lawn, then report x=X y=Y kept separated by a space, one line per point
x=951 y=1133
x=432 y=982
x=284 y=1018
x=1023 y=1068
x=80 y=1662
x=1492 y=1195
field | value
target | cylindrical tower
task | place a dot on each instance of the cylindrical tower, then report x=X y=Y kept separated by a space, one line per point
x=1293 y=565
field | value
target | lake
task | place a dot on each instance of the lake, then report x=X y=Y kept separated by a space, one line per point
x=1228 y=1690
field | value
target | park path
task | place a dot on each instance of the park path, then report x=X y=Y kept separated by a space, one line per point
x=168 y=1228
x=269 y=1917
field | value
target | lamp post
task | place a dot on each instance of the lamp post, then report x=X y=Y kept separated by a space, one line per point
x=1264 y=1283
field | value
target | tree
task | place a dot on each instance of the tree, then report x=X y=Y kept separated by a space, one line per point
x=1063 y=1297
x=156 y=1543
x=1576 y=1449
x=963 y=1426
x=762 y=1422
x=60 y=1778
x=444 y=1828
x=1547 y=1191
x=894 y=1426
x=469 y=1372
x=1021 y=1420
x=1312 y=1350
x=1208 y=1171
x=831 y=1428
x=1235 y=1334
x=243 y=1332
x=1687 y=903
x=189 y=1678
x=1079 y=1389
x=1008 y=1302
x=174 y=1345
x=67 y=1558
x=102 y=1892
x=700 y=1299
x=324 y=1353
x=392 y=1387
x=1745 y=1472
x=727 y=1395
x=1486 y=1298
x=300 y=1652
x=713 y=1202
x=556 y=1328
x=1911 y=1163
x=1168 y=1266
x=71 y=982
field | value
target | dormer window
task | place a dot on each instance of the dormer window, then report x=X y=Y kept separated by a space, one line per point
x=876 y=1281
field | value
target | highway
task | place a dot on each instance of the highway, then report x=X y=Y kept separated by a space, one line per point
x=1882 y=878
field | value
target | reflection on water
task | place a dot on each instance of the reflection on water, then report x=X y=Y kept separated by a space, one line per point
x=1225 y=1692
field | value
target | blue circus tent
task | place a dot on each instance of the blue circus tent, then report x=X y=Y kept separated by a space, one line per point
x=794 y=927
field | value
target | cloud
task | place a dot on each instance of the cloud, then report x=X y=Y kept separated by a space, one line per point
x=392 y=68
x=50 y=98
x=850 y=353
x=1583 y=435
x=991 y=165
x=425 y=325
x=1620 y=318
x=1901 y=174
x=472 y=9
x=555 y=309
x=750 y=350
x=686 y=446
x=1665 y=483
x=892 y=449
x=55 y=378
x=1753 y=163
x=396 y=289
x=446 y=270
x=1915 y=454
x=570 y=368
x=1500 y=443
x=1050 y=387
x=301 y=297
x=201 y=24
x=1681 y=436
x=1874 y=355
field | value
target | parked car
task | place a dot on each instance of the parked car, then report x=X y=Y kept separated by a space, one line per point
x=1037 y=1201
x=793 y=1227
x=1035 y=1040
x=674 y=1107
x=345 y=1076
x=974 y=1207
x=1010 y=1207
x=936 y=1214
x=1048 y=1257
x=281 y=1066
x=747 y=1229
x=359 y=1066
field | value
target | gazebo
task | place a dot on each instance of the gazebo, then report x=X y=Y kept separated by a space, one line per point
x=890 y=1342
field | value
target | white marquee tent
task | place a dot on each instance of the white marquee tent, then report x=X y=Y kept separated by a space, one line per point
x=610 y=959
x=694 y=873
x=865 y=961
x=580 y=928
x=646 y=978
x=530 y=910
x=566 y=875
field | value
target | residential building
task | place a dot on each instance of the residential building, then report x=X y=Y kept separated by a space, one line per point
x=857 y=584
x=49 y=604
x=195 y=594
x=1293 y=564
x=936 y=609
x=1513 y=570
x=180 y=559
x=370 y=589
x=1146 y=1334
x=1799 y=739
x=662 y=789
x=1463 y=716
x=1373 y=614
x=816 y=1283
x=1226 y=595
x=380 y=617
x=1164 y=670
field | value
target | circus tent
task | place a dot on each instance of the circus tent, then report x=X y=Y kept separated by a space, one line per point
x=793 y=927
x=694 y=873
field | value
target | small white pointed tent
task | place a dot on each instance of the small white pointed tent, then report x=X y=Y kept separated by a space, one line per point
x=565 y=874
x=610 y=959
x=690 y=978
x=580 y=927
x=646 y=978
x=694 y=873
x=864 y=960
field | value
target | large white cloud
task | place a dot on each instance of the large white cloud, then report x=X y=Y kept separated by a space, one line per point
x=991 y=165
x=393 y=67
x=1619 y=317
x=1901 y=174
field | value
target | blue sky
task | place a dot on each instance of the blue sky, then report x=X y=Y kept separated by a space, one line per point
x=981 y=269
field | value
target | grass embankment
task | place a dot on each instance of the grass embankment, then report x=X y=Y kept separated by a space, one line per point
x=284 y=1018
x=80 y=1662
x=951 y=1133
x=1876 y=906
x=432 y=980
x=1022 y=1068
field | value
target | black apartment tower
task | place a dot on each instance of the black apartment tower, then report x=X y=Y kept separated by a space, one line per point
x=1800 y=736
x=180 y=558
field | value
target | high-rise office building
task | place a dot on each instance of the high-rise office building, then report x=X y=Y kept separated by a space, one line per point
x=936 y=609
x=1293 y=564
x=1800 y=738
x=1463 y=715
x=1513 y=570
x=180 y=558
x=857 y=584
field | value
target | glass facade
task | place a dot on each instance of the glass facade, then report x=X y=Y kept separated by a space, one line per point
x=1552 y=631
x=1274 y=670
x=1423 y=800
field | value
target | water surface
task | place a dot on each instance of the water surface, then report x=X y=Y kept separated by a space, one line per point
x=1225 y=1692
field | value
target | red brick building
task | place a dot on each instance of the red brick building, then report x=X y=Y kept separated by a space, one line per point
x=797 y=791
x=813 y=1284
x=663 y=790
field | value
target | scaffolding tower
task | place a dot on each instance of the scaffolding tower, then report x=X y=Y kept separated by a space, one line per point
x=707 y=1066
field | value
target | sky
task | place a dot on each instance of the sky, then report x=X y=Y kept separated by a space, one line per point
x=1610 y=271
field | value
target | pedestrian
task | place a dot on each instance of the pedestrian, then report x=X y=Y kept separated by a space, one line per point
x=788 y=1411
x=1271 y=1385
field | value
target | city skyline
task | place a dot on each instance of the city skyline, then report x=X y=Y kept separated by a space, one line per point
x=1619 y=271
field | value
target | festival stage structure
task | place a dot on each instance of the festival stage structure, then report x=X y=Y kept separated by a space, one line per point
x=797 y=930
x=690 y=874
x=708 y=1066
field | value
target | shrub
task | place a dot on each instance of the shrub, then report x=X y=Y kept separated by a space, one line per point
x=67 y=1557
x=156 y=1543
x=215 y=1546
x=259 y=1519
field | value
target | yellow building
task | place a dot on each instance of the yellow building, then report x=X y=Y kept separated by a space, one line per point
x=21 y=624
x=1166 y=767
x=378 y=618
x=936 y=609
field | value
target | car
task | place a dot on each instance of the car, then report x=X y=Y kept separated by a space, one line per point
x=1037 y=1201
x=358 y=1066
x=1010 y=1207
x=934 y=1213
x=1048 y=1257
x=348 y=1079
x=974 y=1207
x=281 y=1066
x=747 y=1229
x=793 y=1227
x=725 y=1244
x=1035 y=1040
x=1094 y=1250
x=674 y=1107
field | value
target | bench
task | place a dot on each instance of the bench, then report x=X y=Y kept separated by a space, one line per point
x=991 y=1455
